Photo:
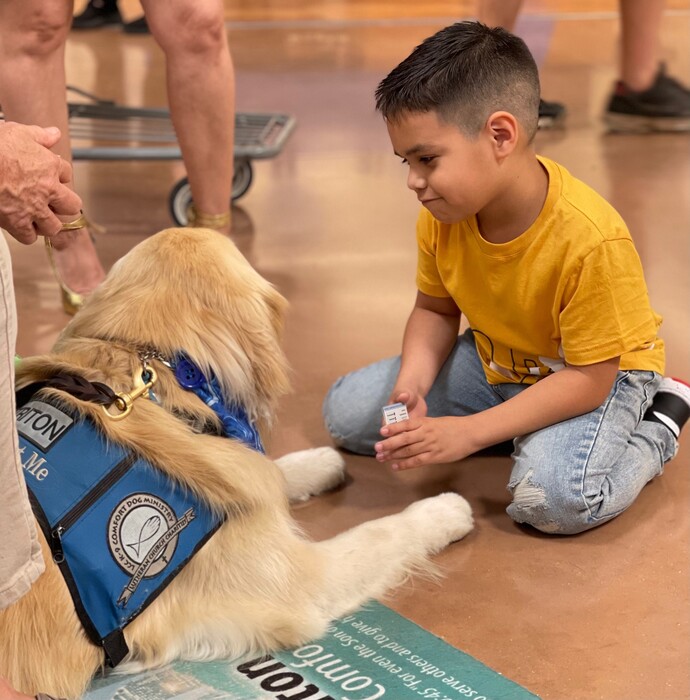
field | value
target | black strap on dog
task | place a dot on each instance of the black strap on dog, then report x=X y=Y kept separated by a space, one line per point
x=80 y=388
x=115 y=647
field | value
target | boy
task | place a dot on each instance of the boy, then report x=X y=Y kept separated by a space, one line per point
x=562 y=353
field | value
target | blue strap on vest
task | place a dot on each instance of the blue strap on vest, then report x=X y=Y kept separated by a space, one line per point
x=118 y=528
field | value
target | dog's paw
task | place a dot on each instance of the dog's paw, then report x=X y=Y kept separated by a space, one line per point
x=310 y=472
x=442 y=519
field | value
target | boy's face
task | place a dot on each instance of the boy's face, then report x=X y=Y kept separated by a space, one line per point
x=453 y=176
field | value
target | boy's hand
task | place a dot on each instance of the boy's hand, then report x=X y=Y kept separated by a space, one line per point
x=420 y=441
x=416 y=405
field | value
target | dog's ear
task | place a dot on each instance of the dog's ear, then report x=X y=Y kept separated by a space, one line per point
x=242 y=336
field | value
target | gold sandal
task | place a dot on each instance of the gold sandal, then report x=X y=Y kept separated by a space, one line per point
x=71 y=301
x=198 y=219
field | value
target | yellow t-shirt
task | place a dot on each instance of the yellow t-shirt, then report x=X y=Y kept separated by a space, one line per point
x=569 y=290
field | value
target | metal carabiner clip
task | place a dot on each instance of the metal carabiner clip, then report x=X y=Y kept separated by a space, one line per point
x=123 y=402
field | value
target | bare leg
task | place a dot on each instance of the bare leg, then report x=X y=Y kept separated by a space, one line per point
x=499 y=13
x=201 y=93
x=640 y=44
x=32 y=91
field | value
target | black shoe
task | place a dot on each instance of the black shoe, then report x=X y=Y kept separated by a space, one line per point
x=551 y=114
x=97 y=14
x=138 y=26
x=671 y=405
x=663 y=107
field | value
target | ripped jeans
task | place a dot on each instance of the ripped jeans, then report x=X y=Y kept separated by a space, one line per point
x=566 y=478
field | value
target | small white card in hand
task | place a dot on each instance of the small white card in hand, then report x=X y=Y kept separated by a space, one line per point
x=394 y=413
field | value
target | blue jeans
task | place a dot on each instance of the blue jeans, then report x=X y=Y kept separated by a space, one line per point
x=566 y=478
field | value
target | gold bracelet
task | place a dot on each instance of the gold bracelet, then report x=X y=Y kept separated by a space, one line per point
x=201 y=220
x=79 y=222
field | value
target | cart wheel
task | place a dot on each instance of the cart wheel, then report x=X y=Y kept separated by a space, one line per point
x=241 y=177
x=180 y=199
x=181 y=193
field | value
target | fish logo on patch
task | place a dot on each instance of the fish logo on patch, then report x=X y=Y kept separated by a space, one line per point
x=142 y=538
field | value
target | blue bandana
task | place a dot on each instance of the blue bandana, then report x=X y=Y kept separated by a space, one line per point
x=236 y=423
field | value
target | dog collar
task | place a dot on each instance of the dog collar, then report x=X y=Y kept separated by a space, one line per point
x=233 y=417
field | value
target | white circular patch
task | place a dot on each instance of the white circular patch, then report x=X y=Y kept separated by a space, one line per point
x=136 y=534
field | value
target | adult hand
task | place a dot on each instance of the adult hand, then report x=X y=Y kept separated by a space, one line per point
x=32 y=182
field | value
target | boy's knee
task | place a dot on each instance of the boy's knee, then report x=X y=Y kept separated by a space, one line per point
x=346 y=424
x=548 y=509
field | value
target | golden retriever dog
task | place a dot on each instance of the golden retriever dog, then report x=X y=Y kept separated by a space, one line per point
x=258 y=583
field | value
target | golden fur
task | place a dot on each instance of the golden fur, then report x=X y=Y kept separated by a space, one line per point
x=258 y=583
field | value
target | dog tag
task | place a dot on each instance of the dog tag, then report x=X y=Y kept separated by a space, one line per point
x=188 y=374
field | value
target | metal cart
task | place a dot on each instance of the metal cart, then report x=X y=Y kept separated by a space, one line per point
x=147 y=134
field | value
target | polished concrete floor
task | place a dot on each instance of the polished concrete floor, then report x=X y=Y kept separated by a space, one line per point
x=603 y=615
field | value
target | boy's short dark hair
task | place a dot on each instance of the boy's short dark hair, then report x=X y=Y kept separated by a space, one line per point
x=465 y=72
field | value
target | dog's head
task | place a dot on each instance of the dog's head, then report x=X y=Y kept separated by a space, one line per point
x=191 y=290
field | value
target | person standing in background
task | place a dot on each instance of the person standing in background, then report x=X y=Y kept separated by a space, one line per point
x=106 y=13
x=201 y=94
x=645 y=98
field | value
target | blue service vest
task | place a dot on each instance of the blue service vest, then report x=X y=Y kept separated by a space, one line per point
x=119 y=530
